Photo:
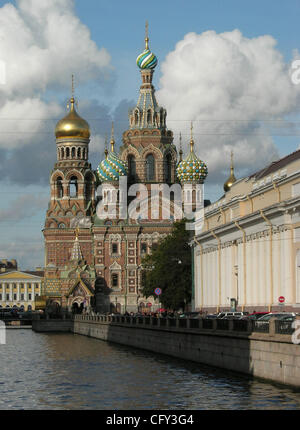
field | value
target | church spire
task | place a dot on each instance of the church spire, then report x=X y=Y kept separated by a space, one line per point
x=112 y=138
x=180 y=148
x=231 y=179
x=76 y=251
x=147 y=113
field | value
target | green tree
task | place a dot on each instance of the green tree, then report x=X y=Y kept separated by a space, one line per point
x=169 y=268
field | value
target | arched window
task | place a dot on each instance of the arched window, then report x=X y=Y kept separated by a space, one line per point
x=67 y=152
x=150 y=167
x=73 y=152
x=79 y=153
x=73 y=186
x=136 y=117
x=131 y=167
x=168 y=168
x=62 y=153
x=149 y=117
x=161 y=117
x=59 y=188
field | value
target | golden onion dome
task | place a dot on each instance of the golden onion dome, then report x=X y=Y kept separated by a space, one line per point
x=231 y=179
x=72 y=125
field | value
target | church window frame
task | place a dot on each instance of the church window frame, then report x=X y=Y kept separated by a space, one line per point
x=115 y=248
x=149 y=117
x=150 y=167
x=59 y=187
x=73 y=187
x=131 y=162
x=115 y=280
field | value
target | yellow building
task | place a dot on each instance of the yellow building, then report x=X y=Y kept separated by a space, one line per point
x=18 y=288
x=247 y=255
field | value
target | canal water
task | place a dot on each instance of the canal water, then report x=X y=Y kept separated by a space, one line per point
x=67 y=371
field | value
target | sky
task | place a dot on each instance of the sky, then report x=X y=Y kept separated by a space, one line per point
x=225 y=65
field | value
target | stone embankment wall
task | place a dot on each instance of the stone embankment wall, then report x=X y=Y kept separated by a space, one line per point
x=267 y=355
x=52 y=325
x=225 y=344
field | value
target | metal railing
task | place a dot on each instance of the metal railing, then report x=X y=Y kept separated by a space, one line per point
x=234 y=325
x=284 y=327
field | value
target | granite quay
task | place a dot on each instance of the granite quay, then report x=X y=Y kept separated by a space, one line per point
x=265 y=351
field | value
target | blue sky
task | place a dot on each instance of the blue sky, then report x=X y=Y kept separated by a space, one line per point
x=119 y=27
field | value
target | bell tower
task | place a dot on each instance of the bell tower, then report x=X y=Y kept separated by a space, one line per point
x=148 y=145
x=72 y=186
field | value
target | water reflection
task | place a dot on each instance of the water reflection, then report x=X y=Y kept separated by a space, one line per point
x=65 y=371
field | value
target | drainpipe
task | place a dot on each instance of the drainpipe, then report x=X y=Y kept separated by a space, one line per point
x=201 y=270
x=219 y=267
x=244 y=261
x=271 y=257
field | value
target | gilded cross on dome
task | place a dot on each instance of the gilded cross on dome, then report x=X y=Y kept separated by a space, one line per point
x=146 y=35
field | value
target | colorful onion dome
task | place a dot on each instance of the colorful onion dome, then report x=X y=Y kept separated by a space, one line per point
x=146 y=60
x=72 y=125
x=191 y=169
x=112 y=167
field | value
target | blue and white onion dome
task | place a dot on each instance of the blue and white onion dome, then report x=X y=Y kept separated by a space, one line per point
x=192 y=169
x=146 y=60
x=112 y=167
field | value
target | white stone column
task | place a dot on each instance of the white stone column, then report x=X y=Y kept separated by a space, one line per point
x=10 y=292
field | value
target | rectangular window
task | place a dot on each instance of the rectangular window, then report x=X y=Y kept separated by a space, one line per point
x=143 y=248
x=22 y=296
x=7 y=297
x=115 y=280
x=29 y=296
x=15 y=297
x=296 y=190
x=0 y=296
x=115 y=248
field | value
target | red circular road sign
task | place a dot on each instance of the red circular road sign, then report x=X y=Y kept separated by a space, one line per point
x=281 y=299
x=158 y=291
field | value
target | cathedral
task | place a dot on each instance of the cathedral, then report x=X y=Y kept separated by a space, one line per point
x=93 y=247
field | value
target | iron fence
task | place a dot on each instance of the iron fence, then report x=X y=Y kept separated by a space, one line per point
x=261 y=327
x=284 y=327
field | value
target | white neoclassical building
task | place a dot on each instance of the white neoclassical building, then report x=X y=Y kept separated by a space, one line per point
x=18 y=288
x=247 y=256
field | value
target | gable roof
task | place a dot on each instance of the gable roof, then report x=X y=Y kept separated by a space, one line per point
x=276 y=165
x=17 y=274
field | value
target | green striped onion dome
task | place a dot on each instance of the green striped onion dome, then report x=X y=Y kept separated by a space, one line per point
x=146 y=60
x=192 y=169
x=111 y=168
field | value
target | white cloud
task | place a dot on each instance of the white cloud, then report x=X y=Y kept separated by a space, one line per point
x=230 y=86
x=42 y=43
